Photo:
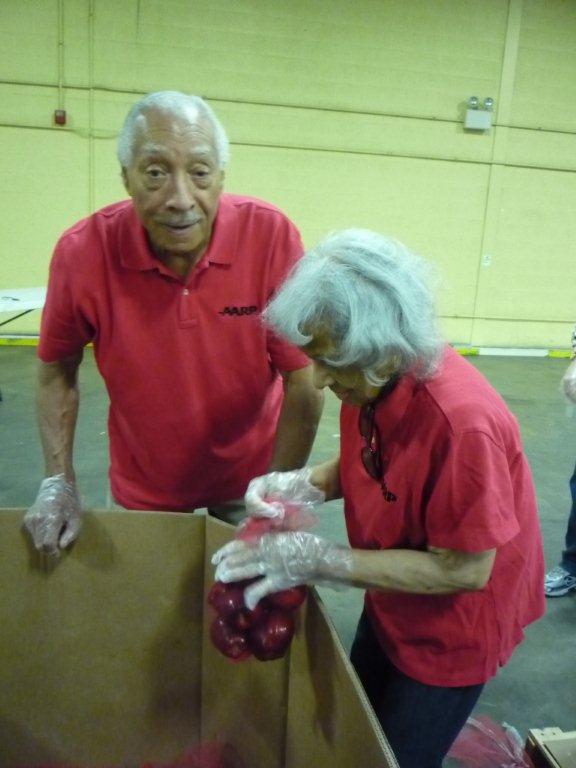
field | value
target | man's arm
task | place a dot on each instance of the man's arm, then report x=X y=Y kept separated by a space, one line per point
x=299 y=417
x=57 y=402
x=54 y=519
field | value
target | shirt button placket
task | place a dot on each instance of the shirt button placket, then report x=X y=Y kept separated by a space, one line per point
x=186 y=318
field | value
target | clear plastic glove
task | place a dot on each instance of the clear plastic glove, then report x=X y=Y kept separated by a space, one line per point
x=569 y=382
x=54 y=520
x=284 y=560
x=292 y=486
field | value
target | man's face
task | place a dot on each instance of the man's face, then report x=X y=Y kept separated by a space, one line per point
x=175 y=182
x=348 y=384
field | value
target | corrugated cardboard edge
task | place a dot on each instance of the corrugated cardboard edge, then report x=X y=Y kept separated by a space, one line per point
x=243 y=703
x=330 y=720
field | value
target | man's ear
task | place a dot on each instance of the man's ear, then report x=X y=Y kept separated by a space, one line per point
x=125 y=181
x=222 y=177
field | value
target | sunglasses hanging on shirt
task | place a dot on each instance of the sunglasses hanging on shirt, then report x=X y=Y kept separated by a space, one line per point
x=371 y=451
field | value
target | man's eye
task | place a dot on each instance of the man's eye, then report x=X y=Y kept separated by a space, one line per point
x=154 y=173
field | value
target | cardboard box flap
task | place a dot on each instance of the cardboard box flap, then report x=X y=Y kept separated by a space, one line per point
x=552 y=747
x=99 y=652
x=330 y=721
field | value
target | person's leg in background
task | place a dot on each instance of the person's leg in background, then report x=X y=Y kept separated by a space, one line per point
x=569 y=554
x=562 y=579
x=111 y=505
x=232 y=512
x=420 y=721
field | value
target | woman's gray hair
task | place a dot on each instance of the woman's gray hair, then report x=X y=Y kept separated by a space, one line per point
x=176 y=103
x=369 y=294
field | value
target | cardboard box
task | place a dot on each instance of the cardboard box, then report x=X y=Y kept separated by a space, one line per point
x=105 y=658
x=552 y=748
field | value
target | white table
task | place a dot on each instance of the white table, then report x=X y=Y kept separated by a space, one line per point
x=20 y=301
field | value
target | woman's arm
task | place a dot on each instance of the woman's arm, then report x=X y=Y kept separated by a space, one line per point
x=326 y=477
x=286 y=559
x=434 y=572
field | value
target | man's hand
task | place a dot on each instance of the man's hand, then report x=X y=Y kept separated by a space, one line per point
x=284 y=560
x=292 y=486
x=569 y=382
x=54 y=520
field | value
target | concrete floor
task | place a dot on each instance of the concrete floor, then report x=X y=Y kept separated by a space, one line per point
x=536 y=689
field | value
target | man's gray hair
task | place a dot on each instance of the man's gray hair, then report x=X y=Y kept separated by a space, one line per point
x=176 y=103
x=369 y=294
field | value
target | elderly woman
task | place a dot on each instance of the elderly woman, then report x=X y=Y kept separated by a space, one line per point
x=438 y=498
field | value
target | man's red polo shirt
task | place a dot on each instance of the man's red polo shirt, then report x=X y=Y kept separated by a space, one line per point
x=453 y=459
x=192 y=374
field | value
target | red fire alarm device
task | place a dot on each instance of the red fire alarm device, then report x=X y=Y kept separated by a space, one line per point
x=60 y=116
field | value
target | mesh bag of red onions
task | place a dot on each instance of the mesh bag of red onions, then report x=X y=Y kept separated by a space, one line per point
x=482 y=743
x=267 y=631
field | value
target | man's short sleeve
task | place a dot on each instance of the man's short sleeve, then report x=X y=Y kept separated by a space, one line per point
x=64 y=330
x=471 y=506
x=288 y=249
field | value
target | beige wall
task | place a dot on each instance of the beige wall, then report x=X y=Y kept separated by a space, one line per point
x=343 y=114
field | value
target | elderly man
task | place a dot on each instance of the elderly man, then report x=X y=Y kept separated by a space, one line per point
x=438 y=497
x=168 y=286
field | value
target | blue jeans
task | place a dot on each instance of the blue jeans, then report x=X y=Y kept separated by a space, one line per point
x=420 y=721
x=569 y=554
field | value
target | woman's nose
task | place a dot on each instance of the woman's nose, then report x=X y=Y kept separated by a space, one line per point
x=321 y=375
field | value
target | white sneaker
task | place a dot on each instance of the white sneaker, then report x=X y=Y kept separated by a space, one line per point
x=558 y=582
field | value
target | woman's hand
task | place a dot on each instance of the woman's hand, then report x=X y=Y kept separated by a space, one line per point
x=294 y=486
x=284 y=560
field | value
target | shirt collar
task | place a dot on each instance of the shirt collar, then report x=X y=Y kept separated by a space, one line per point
x=391 y=409
x=135 y=251
x=223 y=242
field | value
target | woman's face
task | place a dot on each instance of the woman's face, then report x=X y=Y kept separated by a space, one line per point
x=348 y=384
